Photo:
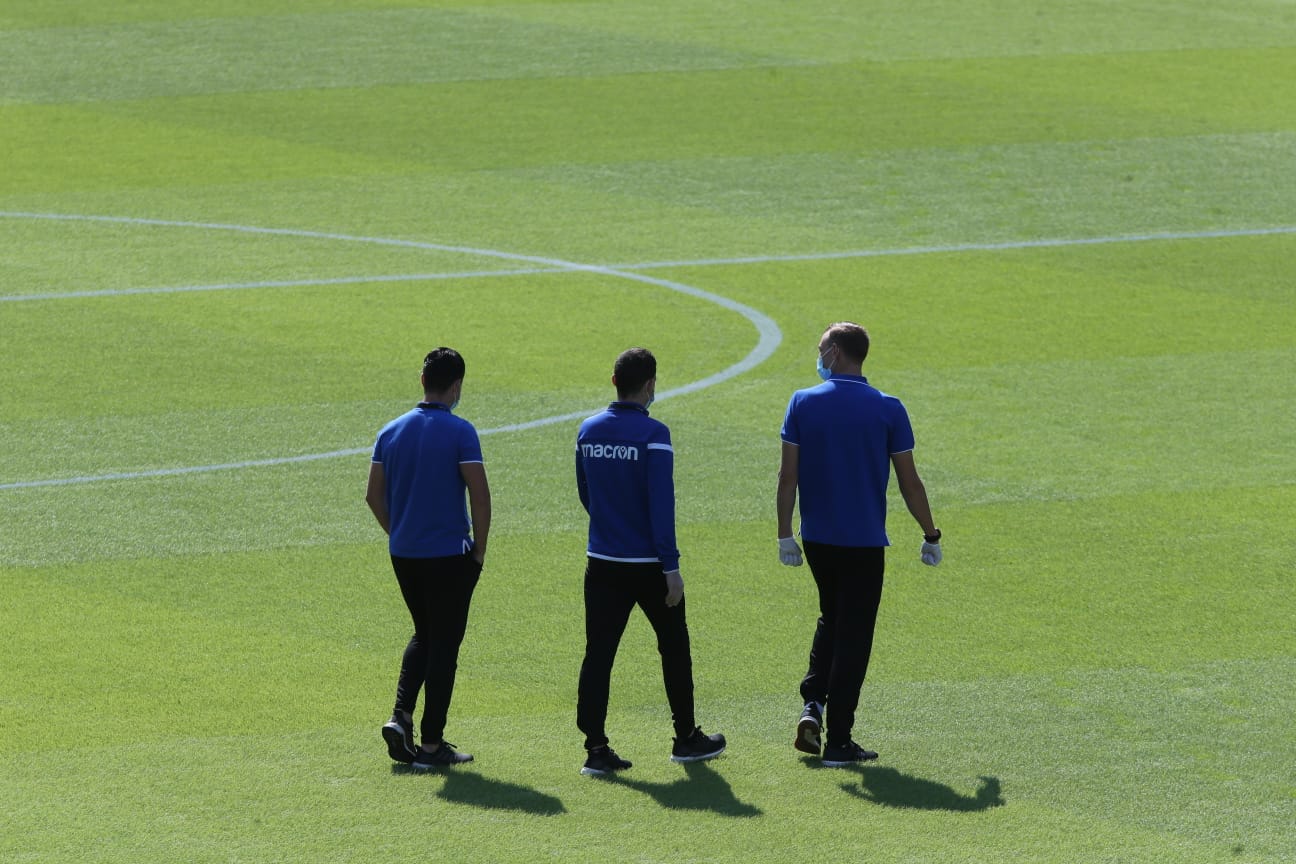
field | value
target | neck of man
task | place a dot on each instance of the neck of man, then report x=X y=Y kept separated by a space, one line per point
x=641 y=398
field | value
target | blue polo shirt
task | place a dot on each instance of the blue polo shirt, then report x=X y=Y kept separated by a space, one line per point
x=421 y=452
x=625 y=478
x=845 y=431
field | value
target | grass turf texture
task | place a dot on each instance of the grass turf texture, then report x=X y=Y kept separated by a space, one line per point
x=196 y=665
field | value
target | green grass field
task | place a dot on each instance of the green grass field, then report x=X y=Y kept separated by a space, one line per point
x=230 y=230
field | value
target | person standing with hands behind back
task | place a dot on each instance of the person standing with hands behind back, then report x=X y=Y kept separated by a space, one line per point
x=423 y=461
x=840 y=442
x=625 y=479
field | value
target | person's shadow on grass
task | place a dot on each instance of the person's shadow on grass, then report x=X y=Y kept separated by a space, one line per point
x=465 y=787
x=891 y=788
x=701 y=788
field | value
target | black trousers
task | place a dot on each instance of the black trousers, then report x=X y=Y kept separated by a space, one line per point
x=437 y=592
x=849 y=580
x=612 y=590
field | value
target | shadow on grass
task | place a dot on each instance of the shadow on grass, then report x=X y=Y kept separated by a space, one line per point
x=891 y=788
x=474 y=790
x=701 y=788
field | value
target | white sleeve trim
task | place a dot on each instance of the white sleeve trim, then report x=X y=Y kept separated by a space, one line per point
x=668 y=448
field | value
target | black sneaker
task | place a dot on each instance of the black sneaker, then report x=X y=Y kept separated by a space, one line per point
x=399 y=735
x=808 y=729
x=445 y=754
x=604 y=760
x=841 y=755
x=698 y=746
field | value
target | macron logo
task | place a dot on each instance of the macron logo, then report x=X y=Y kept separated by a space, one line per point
x=610 y=451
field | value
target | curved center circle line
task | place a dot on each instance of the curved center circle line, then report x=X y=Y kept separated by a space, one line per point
x=325 y=281
x=284 y=232
x=770 y=336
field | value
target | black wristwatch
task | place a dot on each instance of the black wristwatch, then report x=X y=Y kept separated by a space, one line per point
x=933 y=538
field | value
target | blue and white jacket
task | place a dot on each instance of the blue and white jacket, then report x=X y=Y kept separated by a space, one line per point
x=625 y=477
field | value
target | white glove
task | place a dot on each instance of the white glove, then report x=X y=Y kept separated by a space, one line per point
x=931 y=551
x=789 y=551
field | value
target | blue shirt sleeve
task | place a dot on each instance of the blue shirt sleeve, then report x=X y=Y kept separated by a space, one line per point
x=661 y=498
x=901 y=437
x=379 y=441
x=582 y=484
x=469 y=444
x=790 y=433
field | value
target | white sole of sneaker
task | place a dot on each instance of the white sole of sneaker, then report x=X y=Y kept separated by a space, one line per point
x=697 y=758
x=833 y=763
x=423 y=766
x=598 y=772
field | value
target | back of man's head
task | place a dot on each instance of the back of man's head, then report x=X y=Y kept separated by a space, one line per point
x=851 y=339
x=441 y=368
x=634 y=368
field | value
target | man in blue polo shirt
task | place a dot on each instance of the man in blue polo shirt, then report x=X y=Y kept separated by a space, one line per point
x=840 y=441
x=423 y=461
x=624 y=476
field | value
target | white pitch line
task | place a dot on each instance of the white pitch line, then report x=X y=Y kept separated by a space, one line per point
x=769 y=333
x=285 y=283
x=285 y=232
x=190 y=469
x=290 y=460
x=555 y=266
x=1007 y=245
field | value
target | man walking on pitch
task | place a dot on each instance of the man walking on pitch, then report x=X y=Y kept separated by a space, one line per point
x=423 y=461
x=624 y=476
x=840 y=441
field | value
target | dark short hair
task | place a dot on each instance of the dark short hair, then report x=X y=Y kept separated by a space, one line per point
x=634 y=368
x=851 y=339
x=441 y=368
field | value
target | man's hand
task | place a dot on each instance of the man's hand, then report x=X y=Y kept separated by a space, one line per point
x=674 y=587
x=931 y=552
x=789 y=551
